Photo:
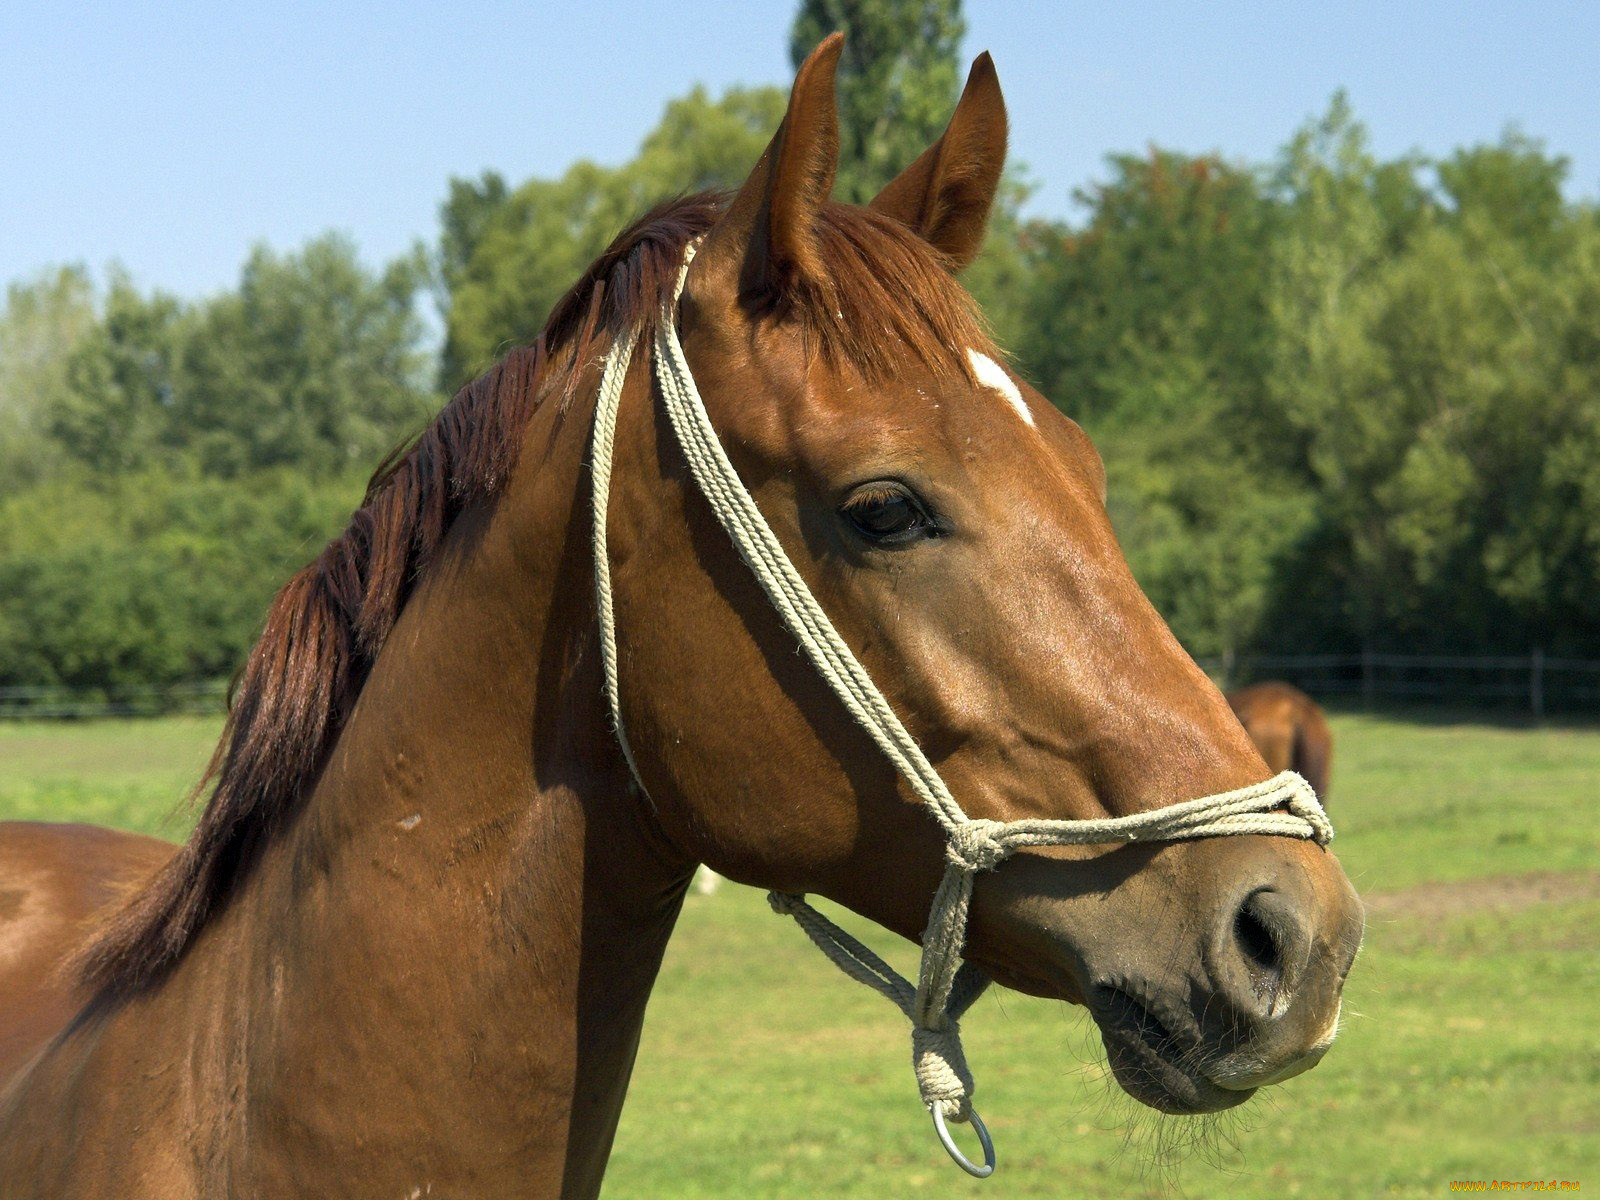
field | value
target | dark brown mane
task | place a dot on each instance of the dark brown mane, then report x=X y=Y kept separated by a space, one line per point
x=886 y=295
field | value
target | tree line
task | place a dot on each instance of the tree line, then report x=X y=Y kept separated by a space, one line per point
x=1345 y=402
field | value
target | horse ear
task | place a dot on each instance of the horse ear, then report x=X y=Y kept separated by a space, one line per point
x=770 y=228
x=947 y=193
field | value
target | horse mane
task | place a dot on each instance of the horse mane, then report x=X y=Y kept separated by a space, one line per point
x=886 y=292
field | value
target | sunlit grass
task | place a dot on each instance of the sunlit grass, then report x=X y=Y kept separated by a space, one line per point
x=128 y=774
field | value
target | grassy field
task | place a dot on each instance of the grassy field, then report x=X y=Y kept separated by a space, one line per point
x=1471 y=1045
x=129 y=774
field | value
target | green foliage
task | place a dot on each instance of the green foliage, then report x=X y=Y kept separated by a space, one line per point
x=999 y=277
x=196 y=455
x=507 y=255
x=151 y=577
x=1430 y=356
x=1339 y=406
x=116 y=413
x=1148 y=326
x=1164 y=277
x=43 y=323
x=1513 y=187
x=313 y=362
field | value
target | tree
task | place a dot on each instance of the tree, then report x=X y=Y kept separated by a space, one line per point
x=115 y=414
x=1147 y=324
x=1512 y=185
x=1329 y=380
x=150 y=576
x=463 y=219
x=506 y=256
x=1437 y=358
x=1493 y=502
x=1341 y=400
x=1168 y=265
x=314 y=361
x=43 y=323
x=178 y=459
x=898 y=81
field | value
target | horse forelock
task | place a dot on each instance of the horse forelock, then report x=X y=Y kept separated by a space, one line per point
x=885 y=298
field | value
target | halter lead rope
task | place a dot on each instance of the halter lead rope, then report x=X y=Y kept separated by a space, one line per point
x=1284 y=805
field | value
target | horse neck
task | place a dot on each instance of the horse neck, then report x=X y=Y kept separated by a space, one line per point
x=438 y=974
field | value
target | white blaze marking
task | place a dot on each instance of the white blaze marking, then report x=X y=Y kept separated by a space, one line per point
x=992 y=375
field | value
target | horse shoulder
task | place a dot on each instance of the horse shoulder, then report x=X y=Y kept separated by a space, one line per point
x=56 y=882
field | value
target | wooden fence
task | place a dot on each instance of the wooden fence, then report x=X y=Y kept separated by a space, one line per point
x=1533 y=683
x=67 y=704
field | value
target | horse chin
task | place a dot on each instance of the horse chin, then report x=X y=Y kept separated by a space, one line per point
x=1151 y=1064
x=1162 y=1083
x=1159 y=1061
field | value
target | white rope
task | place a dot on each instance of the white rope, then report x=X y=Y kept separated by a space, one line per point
x=1283 y=806
x=606 y=405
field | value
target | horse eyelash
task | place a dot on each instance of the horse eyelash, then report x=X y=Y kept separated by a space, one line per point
x=875 y=493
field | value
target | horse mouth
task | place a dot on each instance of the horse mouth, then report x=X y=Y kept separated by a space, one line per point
x=1156 y=1056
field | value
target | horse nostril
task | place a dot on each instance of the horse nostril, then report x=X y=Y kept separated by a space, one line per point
x=1258 y=932
x=1255 y=938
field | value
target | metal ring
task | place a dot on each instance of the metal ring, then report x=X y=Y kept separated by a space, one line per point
x=962 y=1161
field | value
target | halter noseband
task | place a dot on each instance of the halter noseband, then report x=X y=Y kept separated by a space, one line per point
x=1284 y=806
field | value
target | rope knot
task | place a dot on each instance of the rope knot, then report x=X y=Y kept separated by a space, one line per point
x=1300 y=799
x=975 y=845
x=1314 y=815
x=785 y=904
x=942 y=1074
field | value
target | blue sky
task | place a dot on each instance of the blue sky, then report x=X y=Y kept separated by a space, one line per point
x=172 y=137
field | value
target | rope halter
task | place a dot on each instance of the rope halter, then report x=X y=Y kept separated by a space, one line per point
x=1283 y=806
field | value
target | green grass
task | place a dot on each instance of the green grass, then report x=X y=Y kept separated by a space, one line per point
x=129 y=774
x=1447 y=800
x=1471 y=1044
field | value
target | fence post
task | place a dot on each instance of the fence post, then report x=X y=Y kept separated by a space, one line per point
x=1536 y=681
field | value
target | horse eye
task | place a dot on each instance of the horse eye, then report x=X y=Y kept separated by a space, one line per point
x=888 y=513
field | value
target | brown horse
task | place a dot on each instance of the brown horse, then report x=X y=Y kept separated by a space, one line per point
x=1289 y=729
x=407 y=950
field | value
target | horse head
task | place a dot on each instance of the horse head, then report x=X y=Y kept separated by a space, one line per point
x=951 y=523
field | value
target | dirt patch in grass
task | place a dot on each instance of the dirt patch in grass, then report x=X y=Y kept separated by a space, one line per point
x=1496 y=893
